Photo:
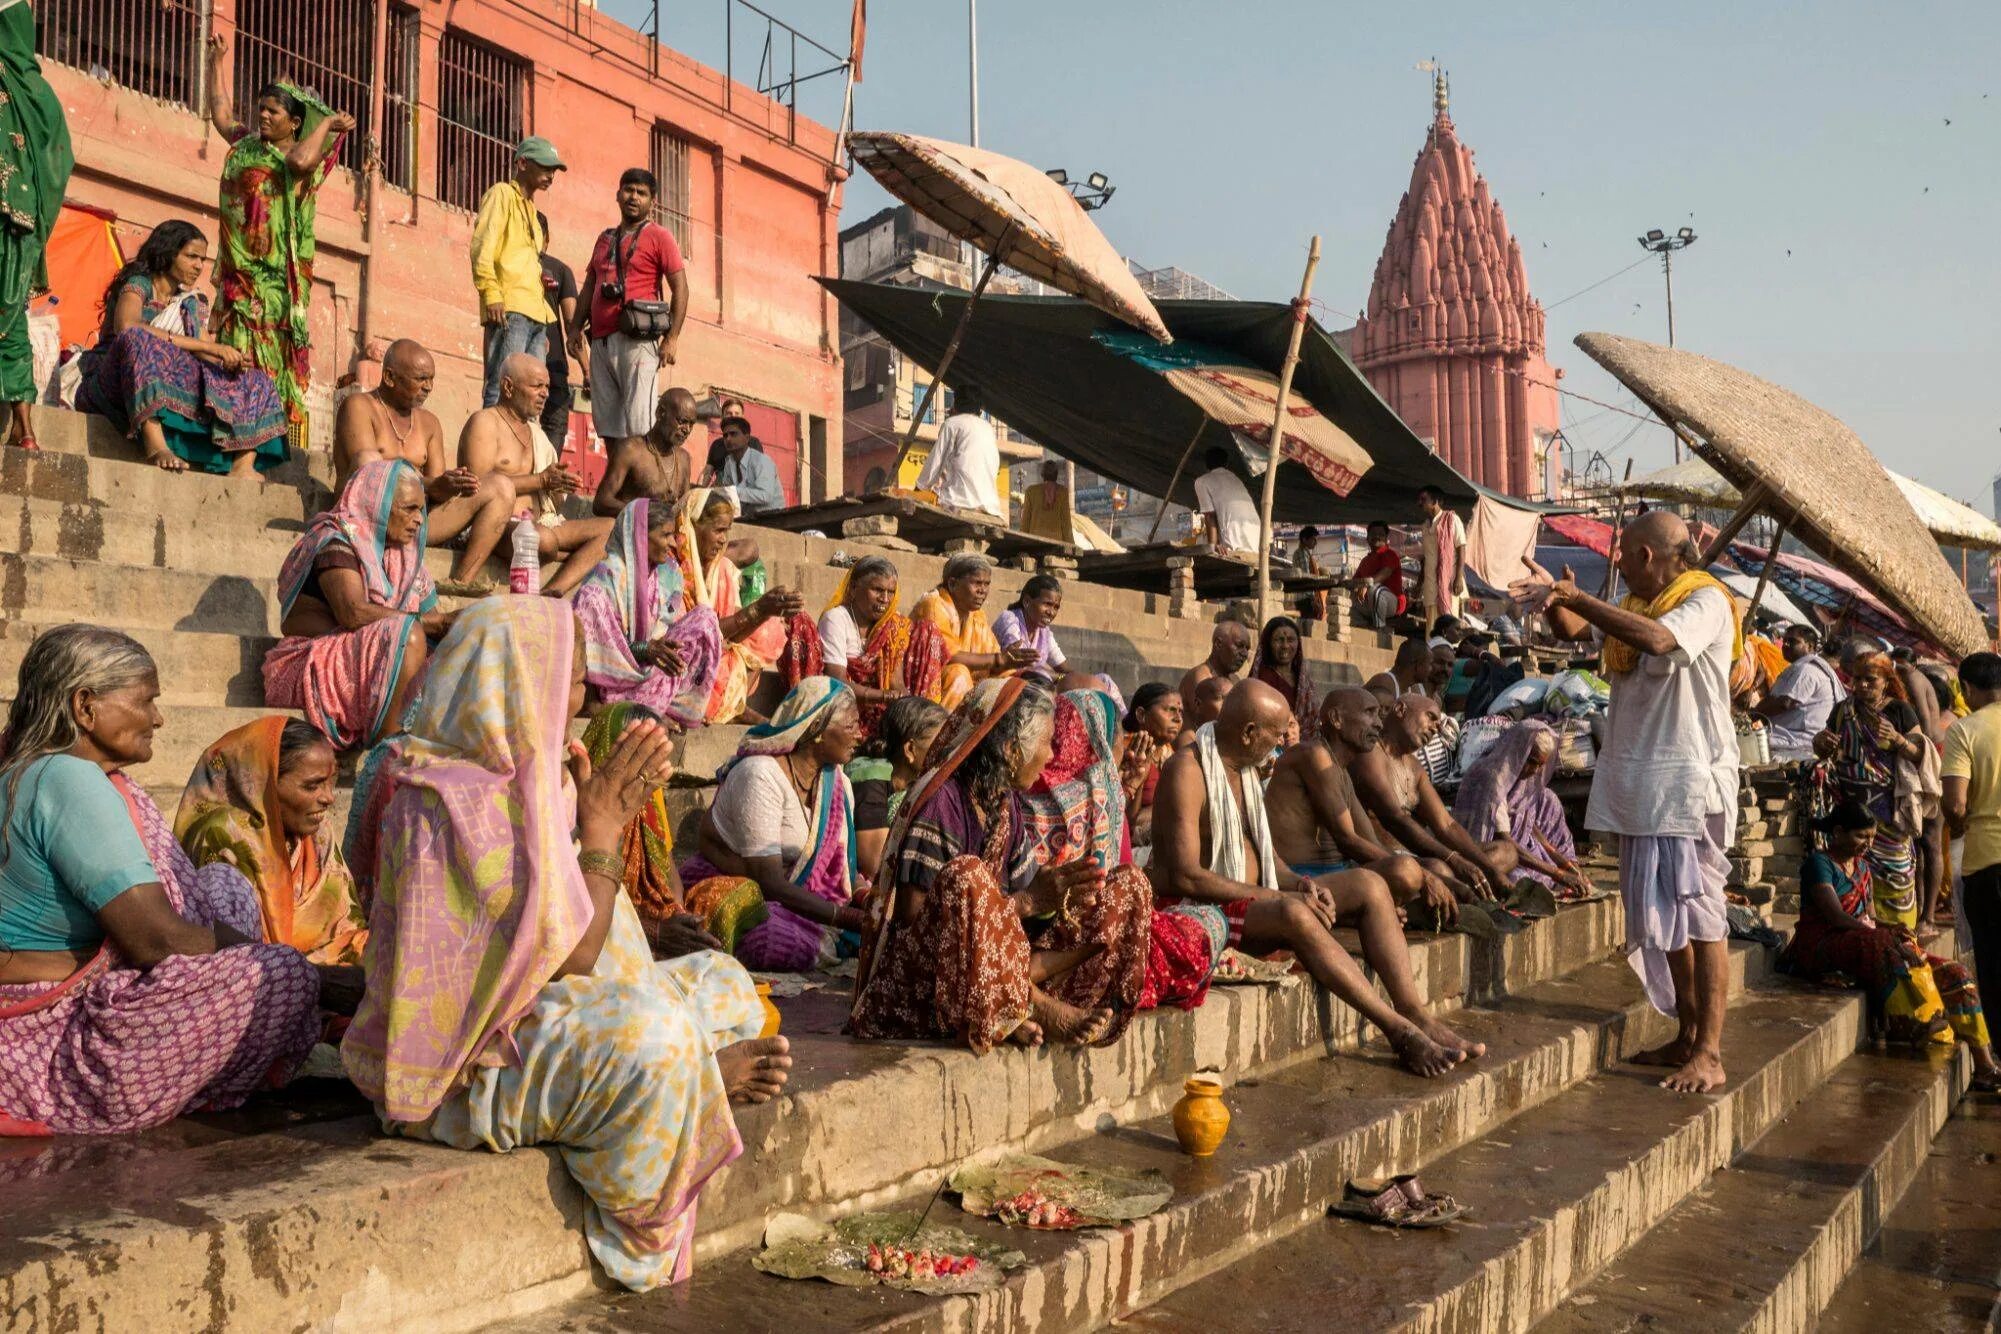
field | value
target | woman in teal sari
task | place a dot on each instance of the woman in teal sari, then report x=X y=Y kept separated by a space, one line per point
x=35 y=162
x=270 y=181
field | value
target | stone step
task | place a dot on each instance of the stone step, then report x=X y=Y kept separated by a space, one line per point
x=1935 y=1264
x=1295 y=1137
x=329 y=1225
x=1556 y=1194
x=1763 y=1245
x=196 y=667
x=51 y=589
x=62 y=431
x=135 y=488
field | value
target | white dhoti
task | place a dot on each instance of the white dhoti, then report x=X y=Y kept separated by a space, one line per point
x=1673 y=891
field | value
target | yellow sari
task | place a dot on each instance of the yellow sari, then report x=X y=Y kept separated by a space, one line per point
x=968 y=634
x=717 y=589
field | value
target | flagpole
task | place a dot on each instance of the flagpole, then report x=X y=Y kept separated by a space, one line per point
x=973 y=65
x=1277 y=447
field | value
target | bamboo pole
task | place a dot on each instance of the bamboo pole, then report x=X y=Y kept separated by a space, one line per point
x=1277 y=450
x=1612 y=547
x=1747 y=509
x=951 y=351
x=1201 y=425
x=1771 y=563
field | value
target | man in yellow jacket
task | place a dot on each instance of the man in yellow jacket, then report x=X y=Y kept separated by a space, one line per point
x=507 y=262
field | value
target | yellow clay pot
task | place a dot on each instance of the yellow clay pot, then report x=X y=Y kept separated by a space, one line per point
x=771 y=1017
x=1200 y=1118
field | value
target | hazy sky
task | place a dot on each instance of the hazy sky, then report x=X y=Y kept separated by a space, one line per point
x=1847 y=232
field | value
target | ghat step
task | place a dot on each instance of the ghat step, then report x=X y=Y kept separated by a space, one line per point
x=320 y=1222
x=1296 y=1136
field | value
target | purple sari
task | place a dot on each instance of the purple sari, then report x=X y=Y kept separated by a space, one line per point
x=628 y=603
x=1496 y=801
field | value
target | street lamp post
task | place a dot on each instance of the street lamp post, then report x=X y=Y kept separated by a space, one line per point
x=1660 y=243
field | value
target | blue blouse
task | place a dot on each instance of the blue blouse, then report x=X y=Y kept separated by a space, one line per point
x=69 y=848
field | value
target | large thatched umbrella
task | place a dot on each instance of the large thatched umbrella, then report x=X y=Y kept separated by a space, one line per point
x=1786 y=456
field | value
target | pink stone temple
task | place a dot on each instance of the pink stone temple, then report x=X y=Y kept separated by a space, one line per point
x=1451 y=337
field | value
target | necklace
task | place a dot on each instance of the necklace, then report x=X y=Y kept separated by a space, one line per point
x=507 y=415
x=804 y=790
x=409 y=422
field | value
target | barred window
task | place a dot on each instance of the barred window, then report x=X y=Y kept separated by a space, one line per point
x=482 y=115
x=153 y=47
x=671 y=204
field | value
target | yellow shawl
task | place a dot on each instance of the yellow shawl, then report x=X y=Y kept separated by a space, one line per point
x=1621 y=657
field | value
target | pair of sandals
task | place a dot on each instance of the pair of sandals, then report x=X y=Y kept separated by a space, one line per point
x=1400 y=1202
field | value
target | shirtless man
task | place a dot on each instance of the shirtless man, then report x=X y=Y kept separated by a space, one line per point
x=506 y=440
x=1219 y=856
x=1229 y=650
x=1410 y=672
x=1397 y=792
x=1207 y=708
x=653 y=465
x=390 y=422
x=1318 y=824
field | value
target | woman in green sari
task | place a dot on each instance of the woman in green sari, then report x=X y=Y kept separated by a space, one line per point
x=270 y=182
x=35 y=162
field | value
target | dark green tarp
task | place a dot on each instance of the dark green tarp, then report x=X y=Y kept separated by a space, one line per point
x=1046 y=376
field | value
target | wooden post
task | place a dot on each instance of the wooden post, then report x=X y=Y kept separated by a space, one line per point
x=951 y=351
x=1612 y=547
x=1277 y=450
x=1771 y=562
x=1201 y=425
x=1747 y=508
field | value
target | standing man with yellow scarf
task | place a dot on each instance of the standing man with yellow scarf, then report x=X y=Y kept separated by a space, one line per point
x=1666 y=781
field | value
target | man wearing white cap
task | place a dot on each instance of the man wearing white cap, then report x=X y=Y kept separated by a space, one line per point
x=507 y=262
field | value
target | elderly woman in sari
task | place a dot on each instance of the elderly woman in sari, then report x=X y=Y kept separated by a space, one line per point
x=1506 y=795
x=258 y=801
x=776 y=869
x=1281 y=664
x=974 y=933
x=754 y=635
x=1915 y=996
x=357 y=607
x=864 y=640
x=643 y=643
x=957 y=608
x=1870 y=736
x=132 y=986
x=511 y=996
x=157 y=376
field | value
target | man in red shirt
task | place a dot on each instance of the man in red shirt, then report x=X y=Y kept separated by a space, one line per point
x=1378 y=580
x=630 y=263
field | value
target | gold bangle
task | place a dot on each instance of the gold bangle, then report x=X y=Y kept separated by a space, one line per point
x=595 y=861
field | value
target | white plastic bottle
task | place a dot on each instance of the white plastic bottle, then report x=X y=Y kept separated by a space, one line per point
x=524 y=571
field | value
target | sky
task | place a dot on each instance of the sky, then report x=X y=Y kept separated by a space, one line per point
x=1840 y=163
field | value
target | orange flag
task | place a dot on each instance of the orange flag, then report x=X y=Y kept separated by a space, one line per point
x=857 y=33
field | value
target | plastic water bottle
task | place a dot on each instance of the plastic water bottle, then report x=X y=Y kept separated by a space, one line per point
x=524 y=571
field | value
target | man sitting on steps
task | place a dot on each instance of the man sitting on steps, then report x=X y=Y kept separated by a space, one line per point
x=1212 y=845
x=506 y=440
x=653 y=466
x=1395 y=790
x=1319 y=826
x=1229 y=650
x=391 y=422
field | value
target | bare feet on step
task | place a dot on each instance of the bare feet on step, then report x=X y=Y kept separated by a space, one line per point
x=1670 y=1054
x=755 y=1071
x=1027 y=1033
x=1451 y=1041
x=1066 y=1023
x=1702 y=1073
x=1420 y=1055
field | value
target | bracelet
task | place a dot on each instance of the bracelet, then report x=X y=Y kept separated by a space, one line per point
x=596 y=861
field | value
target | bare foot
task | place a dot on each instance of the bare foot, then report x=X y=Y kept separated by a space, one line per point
x=1066 y=1023
x=167 y=461
x=244 y=465
x=1702 y=1074
x=755 y=1071
x=1451 y=1041
x=1669 y=1054
x=1420 y=1055
x=1027 y=1033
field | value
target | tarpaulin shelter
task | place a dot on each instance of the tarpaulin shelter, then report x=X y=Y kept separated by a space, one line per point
x=1046 y=371
x=1821 y=587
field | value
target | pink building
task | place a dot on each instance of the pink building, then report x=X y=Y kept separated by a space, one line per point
x=1451 y=336
x=444 y=88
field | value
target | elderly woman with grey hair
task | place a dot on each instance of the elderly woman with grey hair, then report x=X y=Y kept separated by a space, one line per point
x=956 y=608
x=862 y=639
x=132 y=986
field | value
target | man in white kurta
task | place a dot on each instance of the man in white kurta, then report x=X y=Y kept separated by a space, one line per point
x=1666 y=782
x=963 y=468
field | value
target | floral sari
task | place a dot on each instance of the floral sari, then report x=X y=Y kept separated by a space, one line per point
x=229 y=814
x=345 y=680
x=777 y=939
x=898 y=655
x=716 y=588
x=627 y=604
x=1863 y=772
x=466 y=1035
x=264 y=265
x=960 y=968
x=967 y=634
x=648 y=844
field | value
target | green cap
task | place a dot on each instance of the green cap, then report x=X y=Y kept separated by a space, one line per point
x=539 y=151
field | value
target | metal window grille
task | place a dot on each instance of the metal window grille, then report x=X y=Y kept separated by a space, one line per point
x=153 y=47
x=323 y=46
x=399 y=101
x=481 y=117
x=671 y=205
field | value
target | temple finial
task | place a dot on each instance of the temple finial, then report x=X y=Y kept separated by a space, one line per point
x=1441 y=88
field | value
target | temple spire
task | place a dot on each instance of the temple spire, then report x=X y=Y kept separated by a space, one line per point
x=1441 y=89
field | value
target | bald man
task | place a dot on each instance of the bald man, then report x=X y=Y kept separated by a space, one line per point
x=1207 y=708
x=1410 y=671
x=1395 y=788
x=1229 y=650
x=654 y=465
x=391 y=422
x=1666 y=780
x=506 y=441
x=1212 y=853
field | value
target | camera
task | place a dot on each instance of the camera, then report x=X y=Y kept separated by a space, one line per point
x=613 y=290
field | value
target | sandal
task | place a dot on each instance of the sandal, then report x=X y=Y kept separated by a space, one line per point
x=1398 y=1202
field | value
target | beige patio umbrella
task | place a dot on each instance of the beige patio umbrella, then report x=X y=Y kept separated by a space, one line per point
x=1784 y=455
x=1017 y=216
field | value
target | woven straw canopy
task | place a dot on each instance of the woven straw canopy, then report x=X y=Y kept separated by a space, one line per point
x=1012 y=211
x=1809 y=467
